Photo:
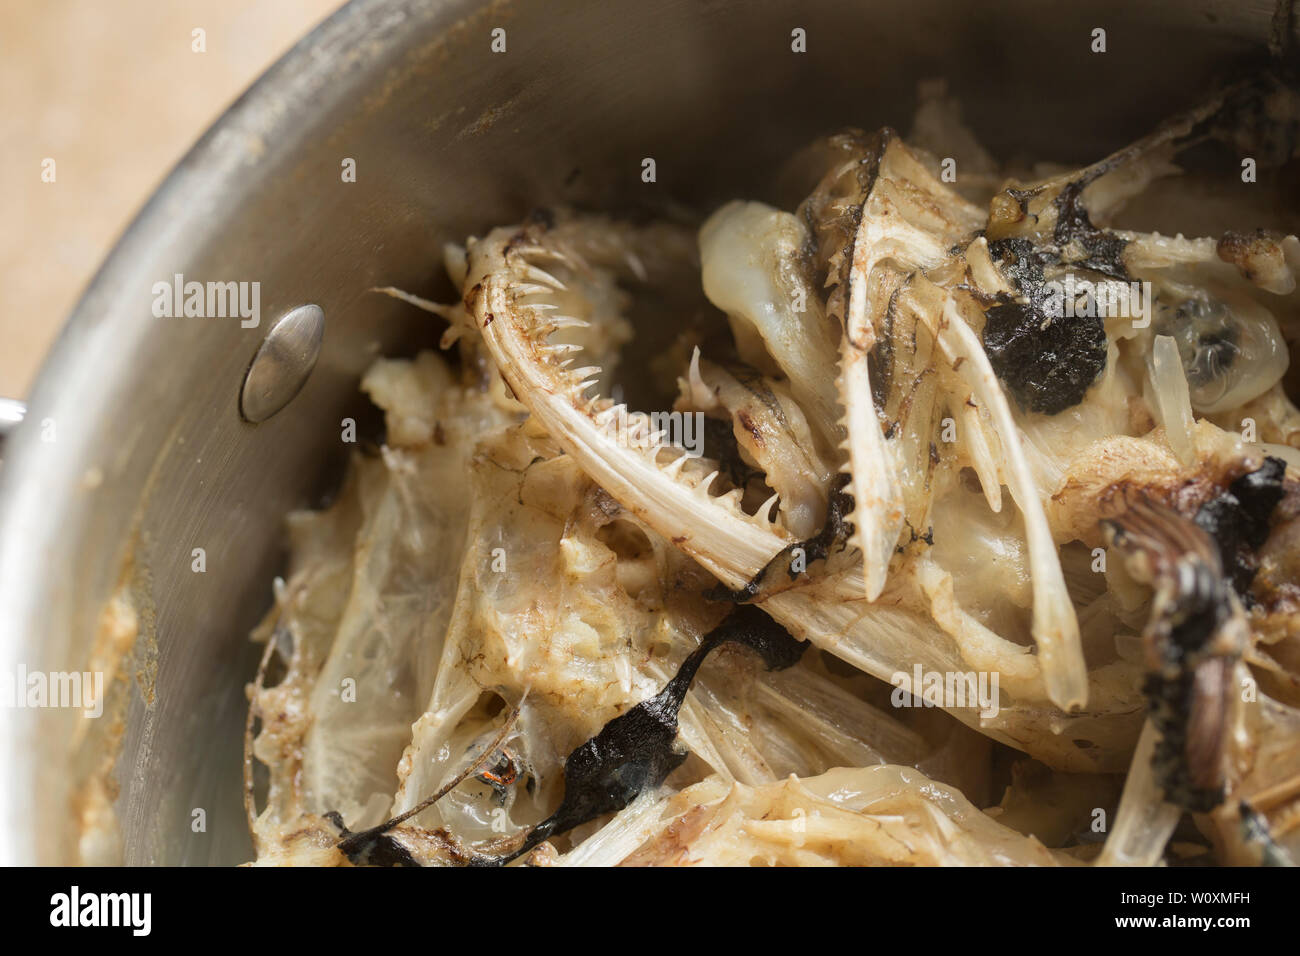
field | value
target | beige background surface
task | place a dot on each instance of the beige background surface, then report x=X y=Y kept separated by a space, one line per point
x=112 y=91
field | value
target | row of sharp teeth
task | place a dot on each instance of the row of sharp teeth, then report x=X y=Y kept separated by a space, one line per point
x=530 y=292
x=878 y=514
x=878 y=510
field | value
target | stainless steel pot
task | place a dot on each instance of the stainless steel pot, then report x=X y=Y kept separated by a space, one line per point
x=134 y=452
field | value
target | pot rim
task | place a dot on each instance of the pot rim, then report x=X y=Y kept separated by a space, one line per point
x=41 y=508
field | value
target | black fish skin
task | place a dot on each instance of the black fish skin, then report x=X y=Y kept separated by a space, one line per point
x=1094 y=249
x=373 y=847
x=635 y=751
x=1046 y=363
x=1238 y=521
x=1190 y=676
x=833 y=536
x=1172 y=690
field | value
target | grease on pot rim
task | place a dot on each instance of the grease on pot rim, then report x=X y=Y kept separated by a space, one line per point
x=282 y=364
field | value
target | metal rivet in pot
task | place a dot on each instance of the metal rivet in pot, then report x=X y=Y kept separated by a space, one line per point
x=12 y=413
x=283 y=363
